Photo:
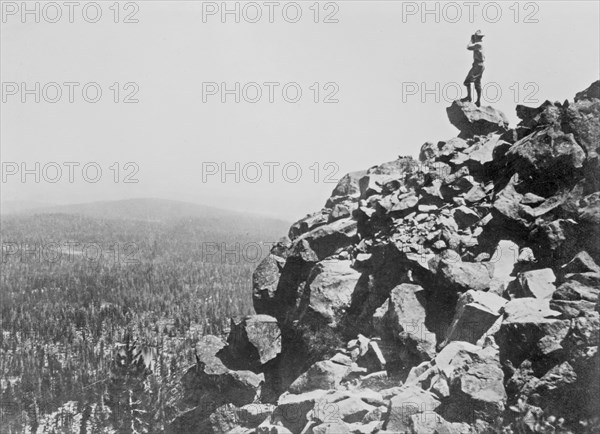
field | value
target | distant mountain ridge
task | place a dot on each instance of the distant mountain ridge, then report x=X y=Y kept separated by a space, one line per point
x=145 y=209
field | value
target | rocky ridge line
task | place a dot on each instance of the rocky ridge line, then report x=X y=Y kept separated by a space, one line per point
x=453 y=294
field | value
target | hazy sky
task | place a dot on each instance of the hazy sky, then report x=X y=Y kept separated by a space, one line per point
x=371 y=60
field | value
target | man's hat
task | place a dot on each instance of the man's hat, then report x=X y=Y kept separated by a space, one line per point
x=479 y=33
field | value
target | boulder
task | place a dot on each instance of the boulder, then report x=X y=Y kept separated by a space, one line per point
x=583 y=119
x=405 y=318
x=470 y=381
x=475 y=194
x=372 y=184
x=339 y=211
x=472 y=120
x=589 y=211
x=224 y=419
x=325 y=374
x=476 y=312
x=372 y=359
x=406 y=402
x=343 y=406
x=453 y=274
x=427 y=423
x=582 y=262
x=592 y=92
x=292 y=409
x=479 y=155
x=268 y=428
x=253 y=341
x=530 y=329
x=308 y=223
x=332 y=428
x=508 y=204
x=574 y=290
x=429 y=151
x=347 y=189
x=264 y=284
x=209 y=384
x=252 y=415
x=548 y=157
x=536 y=284
x=325 y=240
x=329 y=290
x=452 y=146
x=465 y=217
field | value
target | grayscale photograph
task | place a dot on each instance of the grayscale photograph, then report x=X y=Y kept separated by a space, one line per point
x=299 y=217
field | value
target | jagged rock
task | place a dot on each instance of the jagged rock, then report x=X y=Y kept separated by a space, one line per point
x=427 y=423
x=253 y=341
x=460 y=276
x=329 y=289
x=542 y=116
x=475 y=194
x=429 y=150
x=547 y=154
x=210 y=372
x=362 y=260
x=342 y=406
x=409 y=401
x=339 y=211
x=397 y=204
x=469 y=381
x=292 y=409
x=530 y=329
x=365 y=428
x=472 y=120
x=327 y=239
x=465 y=217
x=476 y=312
x=590 y=209
x=536 y=284
x=308 y=223
x=264 y=284
x=373 y=359
x=396 y=168
x=583 y=119
x=405 y=317
x=508 y=202
x=592 y=92
x=268 y=428
x=325 y=375
x=467 y=194
x=572 y=308
x=452 y=146
x=331 y=428
x=559 y=239
x=372 y=184
x=347 y=189
x=532 y=199
x=581 y=263
x=574 y=290
x=481 y=153
x=209 y=384
x=252 y=415
x=224 y=419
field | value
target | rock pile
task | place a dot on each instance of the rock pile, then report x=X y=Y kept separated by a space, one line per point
x=391 y=309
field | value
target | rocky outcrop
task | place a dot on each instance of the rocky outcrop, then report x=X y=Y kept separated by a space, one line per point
x=472 y=120
x=458 y=293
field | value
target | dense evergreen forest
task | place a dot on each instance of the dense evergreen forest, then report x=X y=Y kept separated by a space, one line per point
x=100 y=316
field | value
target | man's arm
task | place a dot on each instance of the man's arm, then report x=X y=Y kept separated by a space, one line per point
x=474 y=46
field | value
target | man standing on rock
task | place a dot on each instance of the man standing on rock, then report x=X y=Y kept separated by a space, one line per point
x=474 y=75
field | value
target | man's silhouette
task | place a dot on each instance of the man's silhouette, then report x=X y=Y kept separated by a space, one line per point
x=474 y=75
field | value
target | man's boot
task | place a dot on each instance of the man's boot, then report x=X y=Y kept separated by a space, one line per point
x=478 y=90
x=468 y=97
